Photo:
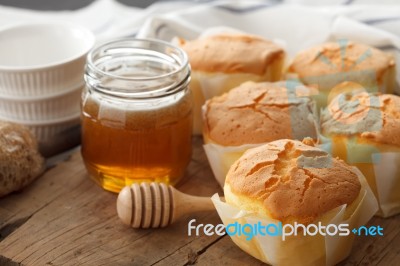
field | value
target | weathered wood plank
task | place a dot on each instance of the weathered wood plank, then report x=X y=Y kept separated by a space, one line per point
x=224 y=252
x=65 y=219
x=378 y=250
x=16 y=208
x=367 y=250
x=188 y=254
x=79 y=224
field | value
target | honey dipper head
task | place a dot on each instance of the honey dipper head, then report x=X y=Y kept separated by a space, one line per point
x=124 y=205
x=145 y=205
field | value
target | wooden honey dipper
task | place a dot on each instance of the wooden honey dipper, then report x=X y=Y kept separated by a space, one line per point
x=156 y=205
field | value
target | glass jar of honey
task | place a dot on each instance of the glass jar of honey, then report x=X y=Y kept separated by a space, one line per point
x=136 y=113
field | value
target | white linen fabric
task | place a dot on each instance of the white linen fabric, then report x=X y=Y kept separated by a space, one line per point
x=298 y=23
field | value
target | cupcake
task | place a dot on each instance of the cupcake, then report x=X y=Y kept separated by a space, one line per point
x=297 y=203
x=223 y=61
x=326 y=65
x=253 y=114
x=364 y=130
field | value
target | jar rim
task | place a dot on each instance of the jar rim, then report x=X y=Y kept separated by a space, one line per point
x=97 y=48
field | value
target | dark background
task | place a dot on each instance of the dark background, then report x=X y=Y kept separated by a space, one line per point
x=67 y=4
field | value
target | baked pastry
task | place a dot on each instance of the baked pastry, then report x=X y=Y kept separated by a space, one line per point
x=291 y=182
x=252 y=114
x=364 y=130
x=326 y=65
x=288 y=183
x=223 y=61
x=20 y=161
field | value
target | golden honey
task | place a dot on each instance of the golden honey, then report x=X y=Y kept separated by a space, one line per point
x=137 y=123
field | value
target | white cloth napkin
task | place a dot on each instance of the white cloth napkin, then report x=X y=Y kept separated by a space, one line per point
x=105 y=18
x=299 y=23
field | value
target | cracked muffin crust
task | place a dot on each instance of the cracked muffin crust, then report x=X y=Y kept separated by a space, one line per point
x=326 y=65
x=363 y=129
x=289 y=181
x=336 y=57
x=220 y=62
x=233 y=53
x=374 y=118
x=260 y=112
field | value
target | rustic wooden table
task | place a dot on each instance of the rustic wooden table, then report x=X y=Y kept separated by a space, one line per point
x=65 y=219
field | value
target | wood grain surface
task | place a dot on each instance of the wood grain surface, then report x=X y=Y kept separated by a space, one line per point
x=65 y=219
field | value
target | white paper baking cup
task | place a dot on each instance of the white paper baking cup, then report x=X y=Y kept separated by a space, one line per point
x=222 y=157
x=42 y=58
x=49 y=107
x=367 y=79
x=205 y=85
x=381 y=169
x=300 y=249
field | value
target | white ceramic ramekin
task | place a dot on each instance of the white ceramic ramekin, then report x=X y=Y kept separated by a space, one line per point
x=41 y=58
x=44 y=130
x=49 y=107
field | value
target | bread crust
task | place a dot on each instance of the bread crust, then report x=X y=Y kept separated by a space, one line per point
x=20 y=161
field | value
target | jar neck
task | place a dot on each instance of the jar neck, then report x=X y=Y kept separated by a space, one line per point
x=137 y=69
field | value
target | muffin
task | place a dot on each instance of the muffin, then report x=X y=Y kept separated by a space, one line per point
x=326 y=65
x=223 y=61
x=253 y=114
x=286 y=183
x=364 y=130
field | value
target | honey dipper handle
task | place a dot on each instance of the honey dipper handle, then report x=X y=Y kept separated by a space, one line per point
x=186 y=204
x=155 y=205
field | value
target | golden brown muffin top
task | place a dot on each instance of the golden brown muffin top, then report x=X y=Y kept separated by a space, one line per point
x=260 y=112
x=370 y=116
x=232 y=53
x=292 y=181
x=331 y=58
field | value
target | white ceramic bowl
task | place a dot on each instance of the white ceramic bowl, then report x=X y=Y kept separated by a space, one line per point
x=39 y=59
x=55 y=135
x=50 y=107
x=43 y=130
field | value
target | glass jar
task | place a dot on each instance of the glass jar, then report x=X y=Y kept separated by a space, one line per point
x=136 y=113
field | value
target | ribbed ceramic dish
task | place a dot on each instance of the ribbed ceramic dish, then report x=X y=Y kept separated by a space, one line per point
x=41 y=58
x=50 y=107
x=48 y=130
